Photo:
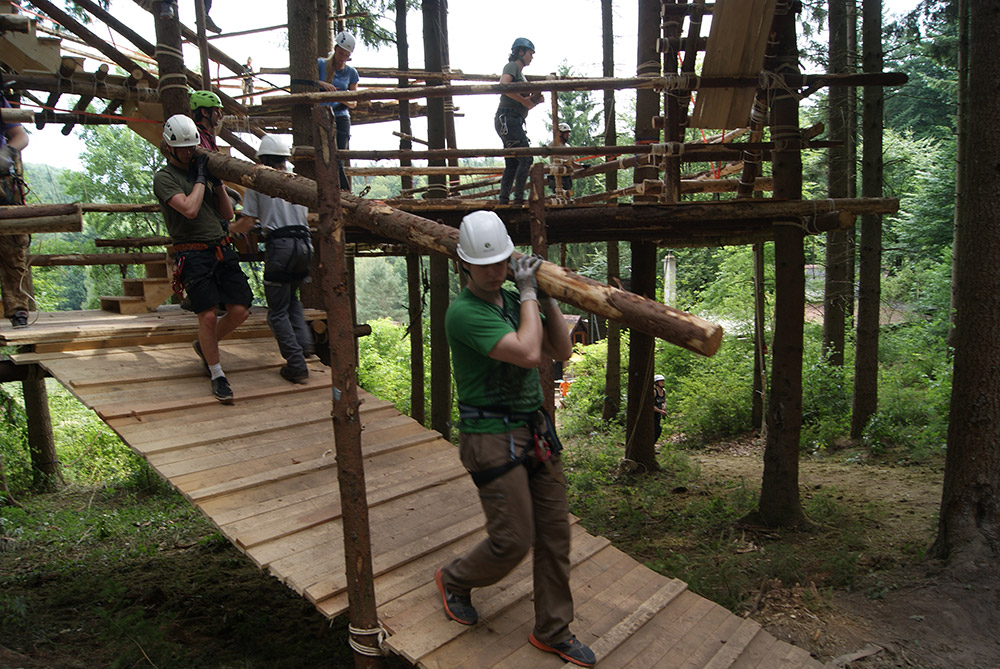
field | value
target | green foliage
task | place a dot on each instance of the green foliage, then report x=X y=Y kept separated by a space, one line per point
x=711 y=399
x=584 y=405
x=385 y=363
x=827 y=391
x=381 y=289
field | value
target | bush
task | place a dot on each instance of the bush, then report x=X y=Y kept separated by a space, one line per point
x=713 y=396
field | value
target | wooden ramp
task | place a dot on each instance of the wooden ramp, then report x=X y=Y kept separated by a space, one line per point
x=263 y=470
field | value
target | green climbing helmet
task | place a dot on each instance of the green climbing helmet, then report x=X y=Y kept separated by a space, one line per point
x=201 y=99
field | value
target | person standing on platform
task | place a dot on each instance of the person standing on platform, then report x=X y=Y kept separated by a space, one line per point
x=659 y=405
x=336 y=75
x=247 y=82
x=509 y=121
x=508 y=443
x=287 y=258
x=196 y=209
x=13 y=248
x=566 y=181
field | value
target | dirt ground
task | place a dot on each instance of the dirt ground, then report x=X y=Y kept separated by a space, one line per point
x=904 y=613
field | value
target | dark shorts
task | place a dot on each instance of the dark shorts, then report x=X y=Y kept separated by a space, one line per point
x=211 y=283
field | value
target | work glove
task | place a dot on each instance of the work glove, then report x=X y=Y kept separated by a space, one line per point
x=6 y=160
x=199 y=164
x=524 y=269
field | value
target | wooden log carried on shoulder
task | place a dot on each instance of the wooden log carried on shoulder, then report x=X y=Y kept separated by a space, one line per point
x=631 y=310
x=30 y=219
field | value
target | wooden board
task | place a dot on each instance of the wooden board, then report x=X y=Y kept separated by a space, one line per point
x=735 y=47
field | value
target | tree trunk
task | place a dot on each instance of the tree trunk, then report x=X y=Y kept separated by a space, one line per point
x=45 y=471
x=780 y=505
x=758 y=416
x=870 y=269
x=969 y=526
x=613 y=370
x=961 y=149
x=837 y=291
x=639 y=413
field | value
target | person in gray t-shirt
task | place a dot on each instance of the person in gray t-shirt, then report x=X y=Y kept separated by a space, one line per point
x=509 y=121
x=287 y=256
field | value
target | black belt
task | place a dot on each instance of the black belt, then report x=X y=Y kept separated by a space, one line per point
x=289 y=231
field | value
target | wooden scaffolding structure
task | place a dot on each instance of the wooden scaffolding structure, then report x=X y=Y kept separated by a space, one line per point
x=749 y=74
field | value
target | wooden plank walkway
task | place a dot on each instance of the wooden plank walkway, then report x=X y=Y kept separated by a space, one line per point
x=264 y=471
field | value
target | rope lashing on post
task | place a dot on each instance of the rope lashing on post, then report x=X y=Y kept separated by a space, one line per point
x=784 y=136
x=171 y=77
x=685 y=81
x=361 y=649
x=770 y=81
x=667 y=149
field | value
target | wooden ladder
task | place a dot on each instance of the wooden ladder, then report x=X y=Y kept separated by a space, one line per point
x=145 y=294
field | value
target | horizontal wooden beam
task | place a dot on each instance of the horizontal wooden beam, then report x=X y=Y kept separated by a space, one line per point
x=671 y=82
x=58 y=260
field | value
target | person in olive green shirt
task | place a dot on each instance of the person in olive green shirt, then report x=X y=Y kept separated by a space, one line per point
x=498 y=339
x=196 y=209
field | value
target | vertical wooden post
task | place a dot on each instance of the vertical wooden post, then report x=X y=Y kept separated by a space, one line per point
x=341 y=22
x=324 y=38
x=416 y=312
x=346 y=415
x=173 y=79
x=758 y=410
x=403 y=63
x=303 y=69
x=639 y=446
x=206 y=70
x=540 y=246
x=612 y=380
x=44 y=462
x=440 y=360
x=780 y=504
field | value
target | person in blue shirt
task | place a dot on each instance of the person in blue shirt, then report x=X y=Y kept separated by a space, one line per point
x=336 y=75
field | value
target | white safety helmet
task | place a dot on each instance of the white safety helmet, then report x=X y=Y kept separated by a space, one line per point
x=659 y=377
x=483 y=239
x=564 y=127
x=180 y=131
x=345 y=41
x=273 y=146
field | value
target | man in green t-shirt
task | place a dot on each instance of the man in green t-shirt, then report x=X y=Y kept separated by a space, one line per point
x=196 y=209
x=498 y=339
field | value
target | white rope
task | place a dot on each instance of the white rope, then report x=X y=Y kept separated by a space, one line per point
x=770 y=81
x=167 y=50
x=361 y=649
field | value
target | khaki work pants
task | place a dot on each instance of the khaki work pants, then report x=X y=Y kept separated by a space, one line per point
x=524 y=507
x=13 y=264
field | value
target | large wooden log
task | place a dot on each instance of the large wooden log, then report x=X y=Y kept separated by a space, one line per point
x=672 y=325
x=30 y=226
x=55 y=260
x=29 y=219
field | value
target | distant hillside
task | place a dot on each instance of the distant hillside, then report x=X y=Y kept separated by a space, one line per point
x=45 y=183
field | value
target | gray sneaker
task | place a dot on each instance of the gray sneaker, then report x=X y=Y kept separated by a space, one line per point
x=458 y=607
x=570 y=650
x=221 y=390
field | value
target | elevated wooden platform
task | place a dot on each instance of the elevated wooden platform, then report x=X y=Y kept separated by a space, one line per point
x=263 y=470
